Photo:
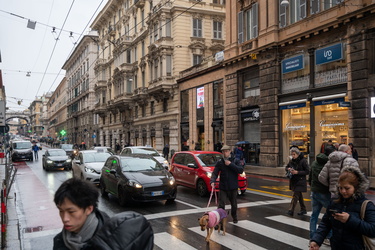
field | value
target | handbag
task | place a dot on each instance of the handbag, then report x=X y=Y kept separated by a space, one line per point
x=369 y=242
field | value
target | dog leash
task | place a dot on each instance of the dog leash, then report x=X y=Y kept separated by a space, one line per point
x=212 y=192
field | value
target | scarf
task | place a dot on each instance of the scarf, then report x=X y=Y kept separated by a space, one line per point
x=76 y=241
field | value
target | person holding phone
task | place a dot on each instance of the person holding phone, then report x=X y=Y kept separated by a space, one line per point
x=343 y=214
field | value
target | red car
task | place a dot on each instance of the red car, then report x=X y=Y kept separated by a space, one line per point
x=194 y=168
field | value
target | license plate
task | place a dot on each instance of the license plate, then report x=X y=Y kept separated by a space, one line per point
x=157 y=193
x=59 y=165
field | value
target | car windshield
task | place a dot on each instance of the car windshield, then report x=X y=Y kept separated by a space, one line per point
x=95 y=157
x=146 y=151
x=66 y=146
x=209 y=160
x=22 y=145
x=137 y=165
x=57 y=153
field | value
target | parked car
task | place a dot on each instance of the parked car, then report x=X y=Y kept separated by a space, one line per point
x=103 y=149
x=146 y=151
x=68 y=149
x=21 y=150
x=137 y=178
x=56 y=158
x=194 y=169
x=88 y=165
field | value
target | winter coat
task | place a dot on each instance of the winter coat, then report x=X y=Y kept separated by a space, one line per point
x=348 y=235
x=127 y=230
x=331 y=171
x=228 y=174
x=315 y=168
x=298 y=181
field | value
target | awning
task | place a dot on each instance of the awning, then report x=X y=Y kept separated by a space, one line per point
x=293 y=104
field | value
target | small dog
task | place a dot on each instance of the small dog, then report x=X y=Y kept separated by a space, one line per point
x=211 y=219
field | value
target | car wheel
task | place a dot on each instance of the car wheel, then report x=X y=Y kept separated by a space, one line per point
x=102 y=188
x=202 y=188
x=121 y=196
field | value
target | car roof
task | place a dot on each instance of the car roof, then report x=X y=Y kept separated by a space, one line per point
x=199 y=152
x=134 y=156
x=55 y=149
x=90 y=151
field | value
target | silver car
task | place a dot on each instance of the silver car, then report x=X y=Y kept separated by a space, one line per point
x=145 y=151
x=88 y=165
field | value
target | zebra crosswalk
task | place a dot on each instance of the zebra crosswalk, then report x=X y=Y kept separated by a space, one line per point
x=274 y=236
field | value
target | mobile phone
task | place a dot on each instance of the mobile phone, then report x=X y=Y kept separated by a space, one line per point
x=335 y=211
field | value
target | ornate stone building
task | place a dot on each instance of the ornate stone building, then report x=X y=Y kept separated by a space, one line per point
x=143 y=47
x=81 y=120
x=299 y=74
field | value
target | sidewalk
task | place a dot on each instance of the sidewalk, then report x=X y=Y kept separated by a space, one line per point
x=268 y=171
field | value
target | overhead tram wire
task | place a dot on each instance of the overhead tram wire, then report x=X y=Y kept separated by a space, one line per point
x=74 y=45
x=54 y=47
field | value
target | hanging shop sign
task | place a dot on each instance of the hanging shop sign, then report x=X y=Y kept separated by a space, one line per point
x=329 y=54
x=292 y=64
x=200 y=97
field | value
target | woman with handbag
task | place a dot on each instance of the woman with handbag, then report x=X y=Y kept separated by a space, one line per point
x=343 y=215
x=297 y=168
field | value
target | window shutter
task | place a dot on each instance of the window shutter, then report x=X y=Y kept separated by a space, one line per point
x=195 y=28
x=314 y=6
x=254 y=16
x=302 y=6
x=168 y=27
x=240 y=27
x=282 y=14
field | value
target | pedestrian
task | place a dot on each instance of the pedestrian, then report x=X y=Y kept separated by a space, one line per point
x=228 y=168
x=118 y=148
x=320 y=195
x=86 y=227
x=343 y=214
x=354 y=151
x=35 y=149
x=298 y=168
x=166 y=151
x=331 y=171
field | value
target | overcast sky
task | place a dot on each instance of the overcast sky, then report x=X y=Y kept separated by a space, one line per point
x=36 y=50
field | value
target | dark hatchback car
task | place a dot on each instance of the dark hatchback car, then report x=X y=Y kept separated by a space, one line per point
x=56 y=159
x=137 y=178
x=194 y=169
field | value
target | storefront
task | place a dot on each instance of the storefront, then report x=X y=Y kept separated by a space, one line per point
x=330 y=120
x=251 y=131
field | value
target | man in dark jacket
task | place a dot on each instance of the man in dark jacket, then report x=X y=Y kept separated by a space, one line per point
x=229 y=168
x=320 y=195
x=86 y=227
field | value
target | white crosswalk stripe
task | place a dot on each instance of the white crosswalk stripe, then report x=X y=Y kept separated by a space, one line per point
x=168 y=241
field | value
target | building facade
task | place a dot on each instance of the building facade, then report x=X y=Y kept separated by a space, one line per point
x=57 y=112
x=80 y=80
x=36 y=109
x=297 y=74
x=143 y=47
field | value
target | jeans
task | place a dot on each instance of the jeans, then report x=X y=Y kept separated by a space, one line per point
x=36 y=154
x=318 y=201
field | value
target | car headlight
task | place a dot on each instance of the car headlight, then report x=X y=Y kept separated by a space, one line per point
x=171 y=180
x=49 y=161
x=91 y=170
x=209 y=174
x=134 y=183
x=243 y=174
x=69 y=160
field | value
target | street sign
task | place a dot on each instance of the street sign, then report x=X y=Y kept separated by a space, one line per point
x=329 y=54
x=2 y=113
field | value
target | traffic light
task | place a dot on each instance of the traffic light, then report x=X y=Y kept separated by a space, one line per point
x=63 y=132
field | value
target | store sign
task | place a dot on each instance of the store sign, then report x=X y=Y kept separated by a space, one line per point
x=329 y=54
x=250 y=115
x=293 y=106
x=292 y=64
x=372 y=107
x=291 y=126
x=200 y=97
x=345 y=104
x=323 y=123
x=327 y=102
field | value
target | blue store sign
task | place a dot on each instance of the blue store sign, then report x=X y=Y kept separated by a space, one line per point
x=326 y=102
x=293 y=106
x=329 y=54
x=292 y=64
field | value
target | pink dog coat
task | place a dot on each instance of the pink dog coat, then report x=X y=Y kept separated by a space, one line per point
x=214 y=217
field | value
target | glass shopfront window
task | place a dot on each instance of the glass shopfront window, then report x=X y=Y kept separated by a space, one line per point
x=331 y=123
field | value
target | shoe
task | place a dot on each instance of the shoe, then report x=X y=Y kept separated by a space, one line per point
x=302 y=212
x=290 y=212
x=235 y=221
